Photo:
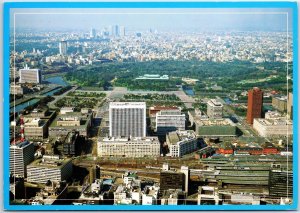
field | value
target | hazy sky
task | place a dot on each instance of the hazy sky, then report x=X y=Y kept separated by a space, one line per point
x=161 y=19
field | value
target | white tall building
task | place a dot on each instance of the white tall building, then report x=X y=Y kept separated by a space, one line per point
x=214 y=109
x=63 y=47
x=28 y=75
x=20 y=155
x=127 y=119
x=169 y=120
x=93 y=33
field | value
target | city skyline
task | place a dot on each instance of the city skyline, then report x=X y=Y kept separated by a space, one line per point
x=162 y=20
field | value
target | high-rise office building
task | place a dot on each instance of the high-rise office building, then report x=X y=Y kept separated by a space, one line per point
x=214 y=109
x=122 y=31
x=127 y=119
x=116 y=30
x=20 y=155
x=255 y=104
x=93 y=33
x=63 y=47
x=28 y=75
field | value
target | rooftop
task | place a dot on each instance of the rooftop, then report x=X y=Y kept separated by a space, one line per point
x=273 y=122
x=50 y=161
x=215 y=122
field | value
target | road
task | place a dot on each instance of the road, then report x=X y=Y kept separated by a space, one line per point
x=119 y=92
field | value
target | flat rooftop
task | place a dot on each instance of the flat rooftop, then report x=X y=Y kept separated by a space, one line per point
x=50 y=162
x=215 y=122
x=274 y=122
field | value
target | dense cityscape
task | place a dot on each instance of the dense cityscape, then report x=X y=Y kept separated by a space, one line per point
x=114 y=116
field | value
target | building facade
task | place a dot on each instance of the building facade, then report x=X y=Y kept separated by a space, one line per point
x=255 y=104
x=63 y=47
x=273 y=127
x=49 y=168
x=214 y=109
x=127 y=119
x=181 y=143
x=280 y=103
x=36 y=128
x=20 y=155
x=168 y=121
x=125 y=147
x=30 y=76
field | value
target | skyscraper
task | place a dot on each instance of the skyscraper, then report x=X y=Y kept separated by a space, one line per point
x=122 y=31
x=255 y=104
x=93 y=33
x=116 y=30
x=127 y=119
x=63 y=47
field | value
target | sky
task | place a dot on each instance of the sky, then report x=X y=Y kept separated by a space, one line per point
x=264 y=19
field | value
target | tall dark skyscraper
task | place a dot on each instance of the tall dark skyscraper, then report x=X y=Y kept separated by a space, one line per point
x=255 y=104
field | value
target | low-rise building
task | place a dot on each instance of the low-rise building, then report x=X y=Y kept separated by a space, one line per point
x=150 y=195
x=273 y=127
x=173 y=197
x=65 y=110
x=181 y=143
x=51 y=168
x=35 y=128
x=214 y=109
x=65 y=123
x=216 y=127
x=16 y=89
x=129 y=147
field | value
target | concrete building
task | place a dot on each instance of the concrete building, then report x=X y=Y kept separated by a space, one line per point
x=153 y=110
x=65 y=110
x=153 y=77
x=273 y=127
x=20 y=155
x=127 y=119
x=49 y=168
x=16 y=89
x=255 y=104
x=279 y=103
x=65 y=123
x=35 y=128
x=172 y=180
x=208 y=195
x=214 y=109
x=169 y=120
x=281 y=184
x=71 y=144
x=150 y=195
x=181 y=143
x=126 y=147
x=290 y=106
x=63 y=47
x=28 y=75
x=173 y=197
x=217 y=127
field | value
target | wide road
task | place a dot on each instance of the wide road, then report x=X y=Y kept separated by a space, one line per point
x=119 y=92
